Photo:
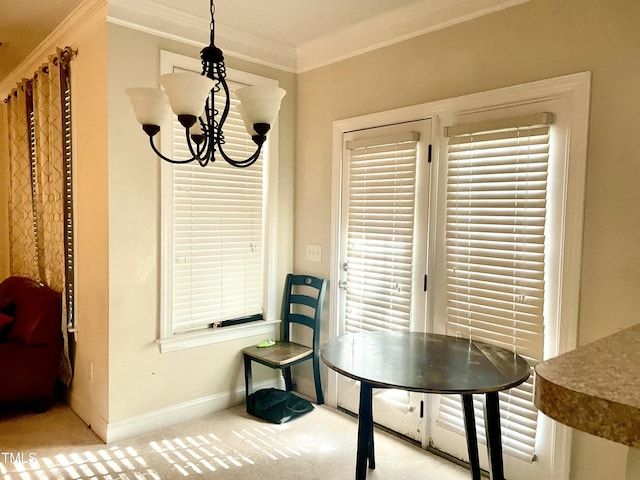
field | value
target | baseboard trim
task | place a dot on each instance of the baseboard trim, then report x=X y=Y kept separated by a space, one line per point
x=181 y=412
x=87 y=414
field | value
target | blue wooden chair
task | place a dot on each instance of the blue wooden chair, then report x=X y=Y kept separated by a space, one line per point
x=303 y=298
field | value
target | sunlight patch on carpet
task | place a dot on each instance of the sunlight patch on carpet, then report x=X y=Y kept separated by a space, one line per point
x=186 y=456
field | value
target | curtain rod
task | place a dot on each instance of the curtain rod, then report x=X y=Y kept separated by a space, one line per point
x=65 y=55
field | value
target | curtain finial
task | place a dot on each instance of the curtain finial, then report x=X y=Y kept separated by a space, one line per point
x=66 y=55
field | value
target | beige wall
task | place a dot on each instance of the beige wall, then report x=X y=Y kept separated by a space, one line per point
x=537 y=40
x=90 y=387
x=141 y=379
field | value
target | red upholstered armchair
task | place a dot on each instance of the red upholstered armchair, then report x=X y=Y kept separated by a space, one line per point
x=30 y=342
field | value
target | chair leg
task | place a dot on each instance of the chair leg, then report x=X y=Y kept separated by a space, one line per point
x=316 y=378
x=288 y=382
x=247 y=377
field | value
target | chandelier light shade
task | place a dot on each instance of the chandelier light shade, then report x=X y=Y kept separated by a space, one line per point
x=191 y=97
x=187 y=92
x=259 y=105
x=150 y=105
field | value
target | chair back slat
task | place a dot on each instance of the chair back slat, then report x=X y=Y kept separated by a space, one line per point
x=302 y=319
x=303 y=299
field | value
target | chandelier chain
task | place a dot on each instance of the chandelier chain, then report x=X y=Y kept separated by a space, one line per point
x=212 y=25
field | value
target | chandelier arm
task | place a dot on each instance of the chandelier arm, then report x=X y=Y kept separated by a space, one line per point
x=221 y=70
x=167 y=159
x=219 y=133
x=247 y=162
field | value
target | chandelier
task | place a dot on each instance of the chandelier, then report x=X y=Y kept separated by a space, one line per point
x=191 y=97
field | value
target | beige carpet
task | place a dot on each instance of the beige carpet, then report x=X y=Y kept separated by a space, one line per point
x=230 y=445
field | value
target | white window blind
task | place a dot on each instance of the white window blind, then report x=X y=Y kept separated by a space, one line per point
x=217 y=232
x=495 y=258
x=380 y=222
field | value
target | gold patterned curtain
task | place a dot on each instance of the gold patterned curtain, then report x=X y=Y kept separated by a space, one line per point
x=38 y=147
x=48 y=174
x=22 y=241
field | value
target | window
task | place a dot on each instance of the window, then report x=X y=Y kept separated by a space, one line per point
x=214 y=223
x=380 y=191
x=496 y=207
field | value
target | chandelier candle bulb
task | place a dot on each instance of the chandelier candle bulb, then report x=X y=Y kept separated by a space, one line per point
x=189 y=94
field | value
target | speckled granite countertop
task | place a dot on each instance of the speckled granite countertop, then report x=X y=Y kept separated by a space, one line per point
x=595 y=388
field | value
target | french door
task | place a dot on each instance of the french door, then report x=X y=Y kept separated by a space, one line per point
x=496 y=225
x=384 y=212
x=501 y=266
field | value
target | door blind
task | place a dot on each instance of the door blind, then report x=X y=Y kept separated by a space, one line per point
x=495 y=258
x=217 y=231
x=380 y=215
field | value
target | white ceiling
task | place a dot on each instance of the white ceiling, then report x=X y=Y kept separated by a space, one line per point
x=300 y=28
x=292 y=22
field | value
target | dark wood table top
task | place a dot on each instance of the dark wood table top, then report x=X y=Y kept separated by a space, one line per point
x=424 y=362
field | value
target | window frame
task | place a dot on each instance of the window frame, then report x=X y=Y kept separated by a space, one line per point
x=167 y=340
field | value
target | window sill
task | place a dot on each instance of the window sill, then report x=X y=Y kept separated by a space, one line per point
x=217 y=335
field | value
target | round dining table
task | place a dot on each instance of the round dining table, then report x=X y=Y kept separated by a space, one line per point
x=428 y=363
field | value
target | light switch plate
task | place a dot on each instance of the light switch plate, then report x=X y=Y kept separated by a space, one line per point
x=314 y=253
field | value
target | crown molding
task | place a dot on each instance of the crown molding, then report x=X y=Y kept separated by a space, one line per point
x=169 y=22
x=82 y=21
x=386 y=29
x=393 y=27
